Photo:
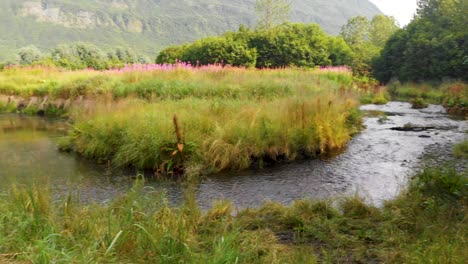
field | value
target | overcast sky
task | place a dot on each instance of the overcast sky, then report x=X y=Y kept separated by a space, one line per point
x=402 y=10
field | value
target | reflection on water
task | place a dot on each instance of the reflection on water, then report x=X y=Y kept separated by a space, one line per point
x=375 y=164
x=28 y=155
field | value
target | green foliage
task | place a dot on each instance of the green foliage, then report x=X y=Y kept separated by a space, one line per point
x=374 y=98
x=381 y=29
x=77 y=56
x=441 y=186
x=219 y=50
x=432 y=47
x=172 y=54
x=454 y=96
x=281 y=46
x=356 y=31
x=7 y=108
x=163 y=23
x=366 y=39
x=140 y=227
x=29 y=55
x=418 y=103
x=461 y=150
x=126 y=56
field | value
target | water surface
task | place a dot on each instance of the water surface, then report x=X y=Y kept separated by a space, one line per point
x=375 y=165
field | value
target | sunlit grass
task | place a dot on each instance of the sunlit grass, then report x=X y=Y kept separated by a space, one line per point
x=175 y=83
x=216 y=135
x=193 y=120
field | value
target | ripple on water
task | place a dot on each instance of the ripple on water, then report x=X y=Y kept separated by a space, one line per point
x=376 y=163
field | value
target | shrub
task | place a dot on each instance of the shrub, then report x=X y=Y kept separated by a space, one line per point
x=418 y=103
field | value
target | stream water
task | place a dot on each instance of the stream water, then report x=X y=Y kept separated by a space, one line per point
x=375 y=165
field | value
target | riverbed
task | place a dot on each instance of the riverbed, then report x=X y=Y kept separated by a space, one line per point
x=375 y=165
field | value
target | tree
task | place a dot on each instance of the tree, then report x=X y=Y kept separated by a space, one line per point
x=288 y=44
x=79 y=56
x=356 y=31
x=388 y=64
x=29 y=55
x=381 y=29
x=223 y=50
x=432 y=47
x=366 y=39
x=272 y=12
x=172 y=54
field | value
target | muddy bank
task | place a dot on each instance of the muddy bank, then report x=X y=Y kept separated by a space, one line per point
x=43 y=106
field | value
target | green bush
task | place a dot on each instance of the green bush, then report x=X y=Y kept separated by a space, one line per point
x=418 y=103
x=281 y=46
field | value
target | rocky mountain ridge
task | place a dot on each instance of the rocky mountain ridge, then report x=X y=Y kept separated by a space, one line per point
x=149 y=25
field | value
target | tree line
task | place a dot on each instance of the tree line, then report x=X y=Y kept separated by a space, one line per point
x=433 y=47
x=78 y=56
x=289 y=44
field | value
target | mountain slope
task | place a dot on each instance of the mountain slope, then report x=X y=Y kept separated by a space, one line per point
x=148 y=25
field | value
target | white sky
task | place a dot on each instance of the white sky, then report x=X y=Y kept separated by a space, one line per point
x=402 y=10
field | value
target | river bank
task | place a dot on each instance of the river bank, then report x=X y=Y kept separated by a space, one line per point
x=93 y=215
x=376 y=163
x=140 y=227
x=185 y=120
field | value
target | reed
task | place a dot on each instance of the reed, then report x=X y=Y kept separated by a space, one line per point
x=227 y=118
x=217 y=134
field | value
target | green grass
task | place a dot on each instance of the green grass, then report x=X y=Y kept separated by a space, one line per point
x=214 y=135
x=454 y=96
x=225 y=119
x=7 y=108
x=425 y=224
x=231 y=83
x=461 y=150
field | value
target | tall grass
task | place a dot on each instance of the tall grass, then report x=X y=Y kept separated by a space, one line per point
x=426 y=224
x=454 y=96
x=168 y=83
x=214 y=135
x=227 y=118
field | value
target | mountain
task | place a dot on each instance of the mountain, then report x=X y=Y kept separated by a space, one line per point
x=149 y=25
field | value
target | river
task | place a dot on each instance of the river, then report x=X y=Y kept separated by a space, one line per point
x=375 y=165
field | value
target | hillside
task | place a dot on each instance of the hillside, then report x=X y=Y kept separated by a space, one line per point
x=148 y=25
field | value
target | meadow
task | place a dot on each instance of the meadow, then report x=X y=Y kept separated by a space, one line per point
x=170 y=81
x=425 y=224
x=181 y=119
